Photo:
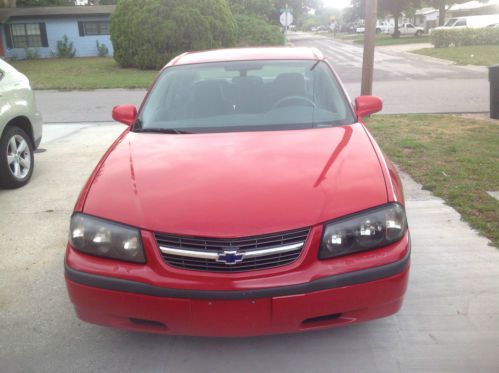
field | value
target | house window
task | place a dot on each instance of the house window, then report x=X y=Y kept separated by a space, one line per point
x=91 y=28
x=26 y=35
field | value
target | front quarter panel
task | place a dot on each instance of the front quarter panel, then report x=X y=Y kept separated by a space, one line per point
x=80 y=202
x=394 y=188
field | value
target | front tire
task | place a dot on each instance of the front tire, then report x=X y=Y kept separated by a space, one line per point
x=16 y=158
x=419 y=33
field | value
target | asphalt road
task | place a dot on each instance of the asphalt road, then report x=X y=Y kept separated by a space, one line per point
x=449 y=322
x=408 y=83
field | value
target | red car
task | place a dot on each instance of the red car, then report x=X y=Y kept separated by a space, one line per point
x=245 y=197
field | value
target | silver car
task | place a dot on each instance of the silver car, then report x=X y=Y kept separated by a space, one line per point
x=20 y=127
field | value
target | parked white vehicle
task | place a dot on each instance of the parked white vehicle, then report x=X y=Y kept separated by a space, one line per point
x=384 y=27
x=20 y=127
x=470 y=22
x=360 y=30
x=408 y=29
x=381 y=27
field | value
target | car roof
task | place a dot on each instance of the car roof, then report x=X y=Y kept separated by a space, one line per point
x=247 y=54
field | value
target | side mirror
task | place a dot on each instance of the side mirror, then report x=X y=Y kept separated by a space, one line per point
x=366 y=105
x=126 y=114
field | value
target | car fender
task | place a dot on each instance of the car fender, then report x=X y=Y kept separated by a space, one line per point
x=21 y=104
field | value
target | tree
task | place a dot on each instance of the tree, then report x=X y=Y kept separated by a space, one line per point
x=271 y=9
x=393 y=7
x=258 y=8
x=396 y=8
x=252 y=31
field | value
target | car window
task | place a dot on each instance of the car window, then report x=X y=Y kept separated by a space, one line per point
x=246 y=95
x=451 y=22
x=461 y=22
x=409 y=25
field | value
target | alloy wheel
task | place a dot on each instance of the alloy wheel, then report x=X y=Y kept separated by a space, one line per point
x=18 y=157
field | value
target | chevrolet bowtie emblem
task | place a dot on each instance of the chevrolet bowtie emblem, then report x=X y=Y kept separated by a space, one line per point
x=230 y=257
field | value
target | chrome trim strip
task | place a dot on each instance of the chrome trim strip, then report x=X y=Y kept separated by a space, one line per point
x=272 y=250
x=189 y=253
x=214 y=255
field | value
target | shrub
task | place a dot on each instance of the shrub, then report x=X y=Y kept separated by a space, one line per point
x=32 y=54
x=65 y=48
x=253 y=31
x=466 y=36
x=148 y=33
x=102 y=49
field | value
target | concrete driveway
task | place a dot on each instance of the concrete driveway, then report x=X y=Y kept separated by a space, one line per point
x=450 y=320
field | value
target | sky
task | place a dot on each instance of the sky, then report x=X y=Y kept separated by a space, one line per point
x=336 y=3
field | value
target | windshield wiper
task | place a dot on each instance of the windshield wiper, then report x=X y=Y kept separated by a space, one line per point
x=162 y=130
x=315 y=65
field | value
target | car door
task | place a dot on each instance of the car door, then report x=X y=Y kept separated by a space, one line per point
x=410 y=29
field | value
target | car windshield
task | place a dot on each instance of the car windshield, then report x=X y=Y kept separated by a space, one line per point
x=245 y=96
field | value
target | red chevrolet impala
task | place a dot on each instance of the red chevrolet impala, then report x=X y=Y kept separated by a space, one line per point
x=245 y=197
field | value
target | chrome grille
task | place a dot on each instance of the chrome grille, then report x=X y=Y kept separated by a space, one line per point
x=232 y=255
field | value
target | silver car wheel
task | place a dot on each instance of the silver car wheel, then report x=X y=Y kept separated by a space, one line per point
x=18 y=157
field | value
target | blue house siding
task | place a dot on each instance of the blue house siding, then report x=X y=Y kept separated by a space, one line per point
x=56 y=28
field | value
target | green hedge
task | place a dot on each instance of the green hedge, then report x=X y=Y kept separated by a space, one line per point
x=148 y=33
x=466 y=36
x=253 y=31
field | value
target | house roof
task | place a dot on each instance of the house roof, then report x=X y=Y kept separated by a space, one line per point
x=473 y=5
x=425 y=11
x=55 y=11
x=248 y=54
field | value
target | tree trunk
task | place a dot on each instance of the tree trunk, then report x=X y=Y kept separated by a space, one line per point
x=396 y=32
x=441 y=13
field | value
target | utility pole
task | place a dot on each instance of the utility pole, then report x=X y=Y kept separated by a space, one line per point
x=369 y=41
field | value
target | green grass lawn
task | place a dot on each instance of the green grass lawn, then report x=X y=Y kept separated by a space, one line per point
x=345 y=36
x=485 y=55
x=82 y=73
x=384 y=39
x=456 y=158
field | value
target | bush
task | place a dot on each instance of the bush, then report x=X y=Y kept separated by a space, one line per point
x=253 y=31
x=466 y=36
x=32 y=54
x=148 y=33
x=65 y=48
x=102 y=49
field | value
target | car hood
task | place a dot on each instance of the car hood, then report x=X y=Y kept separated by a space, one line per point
x=239 y=183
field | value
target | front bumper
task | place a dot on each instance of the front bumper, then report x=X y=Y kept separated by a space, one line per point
x=325 y=302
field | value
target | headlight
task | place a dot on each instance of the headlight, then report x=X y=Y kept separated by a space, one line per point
x=100 y=237
x=366 y=230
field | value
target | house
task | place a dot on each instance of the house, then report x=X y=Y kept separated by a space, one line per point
x=426 y=18
x=40 y=28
